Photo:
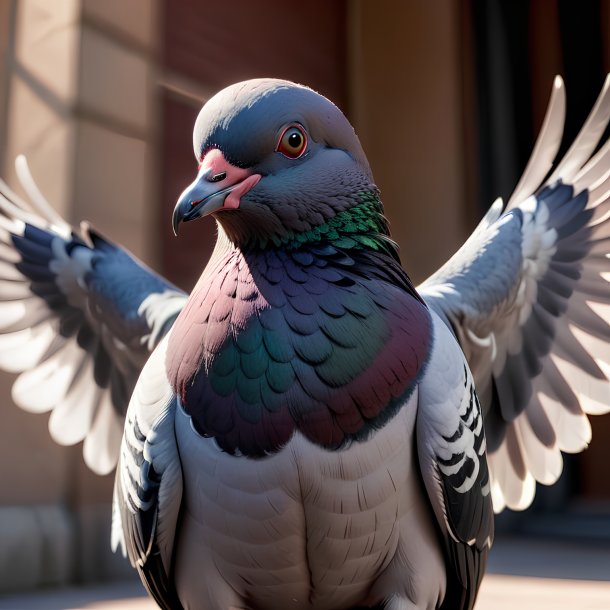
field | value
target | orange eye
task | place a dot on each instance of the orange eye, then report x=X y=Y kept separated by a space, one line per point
x=293 y=142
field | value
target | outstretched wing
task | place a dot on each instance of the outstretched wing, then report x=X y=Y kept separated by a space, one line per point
x=79 y=317
x=527 y=297
x=148 y=484
x=451 y=452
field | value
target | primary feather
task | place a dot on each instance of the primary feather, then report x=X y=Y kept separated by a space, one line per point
x=305 y=430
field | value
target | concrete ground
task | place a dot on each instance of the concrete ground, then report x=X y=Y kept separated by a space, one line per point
x=522 y=575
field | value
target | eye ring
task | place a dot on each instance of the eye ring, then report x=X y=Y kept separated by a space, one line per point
x=292 y=142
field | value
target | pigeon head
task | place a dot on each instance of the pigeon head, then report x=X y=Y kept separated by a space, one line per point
x=276 y=160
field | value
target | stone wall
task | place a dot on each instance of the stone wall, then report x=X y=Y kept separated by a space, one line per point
x=78 y=100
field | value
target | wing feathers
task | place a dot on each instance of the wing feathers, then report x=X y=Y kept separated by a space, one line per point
x=42 y=206
x=78 y=318
x=547 y=316
x=587 y=139
x=507 y=489
x=39 y=389
x=546 y=146
x=595 y=174
x=451 y=451
x=71 y=419
x=23 y=349
x=148 y=491
x=543 y=462
x=102 y=443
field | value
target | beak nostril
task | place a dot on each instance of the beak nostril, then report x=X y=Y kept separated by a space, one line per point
x=217 y=177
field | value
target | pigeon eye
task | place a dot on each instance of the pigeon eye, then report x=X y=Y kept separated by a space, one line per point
x=293 y=142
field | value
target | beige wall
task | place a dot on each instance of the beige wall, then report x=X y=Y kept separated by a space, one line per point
x=407 y=104
x=79 y=103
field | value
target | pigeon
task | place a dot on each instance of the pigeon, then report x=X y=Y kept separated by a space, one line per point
x=307 y=429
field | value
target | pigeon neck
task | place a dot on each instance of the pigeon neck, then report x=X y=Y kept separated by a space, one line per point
x=360 y=226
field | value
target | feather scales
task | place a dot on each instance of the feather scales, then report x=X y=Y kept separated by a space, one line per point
x=303 y=339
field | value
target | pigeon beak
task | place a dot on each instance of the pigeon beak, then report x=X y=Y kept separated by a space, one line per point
x=219 y=186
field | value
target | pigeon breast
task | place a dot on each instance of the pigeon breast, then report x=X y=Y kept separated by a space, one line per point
x=281 y=340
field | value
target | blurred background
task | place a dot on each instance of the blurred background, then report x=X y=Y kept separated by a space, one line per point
x=447 y=98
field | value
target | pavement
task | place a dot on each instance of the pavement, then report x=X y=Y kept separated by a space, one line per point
x=523 y=574
x=546 y=575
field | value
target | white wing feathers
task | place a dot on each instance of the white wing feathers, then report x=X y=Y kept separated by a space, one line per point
x=528 y=298
x=546 y=147
x=148 y=487
x=451 y=451
x=79 y=316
